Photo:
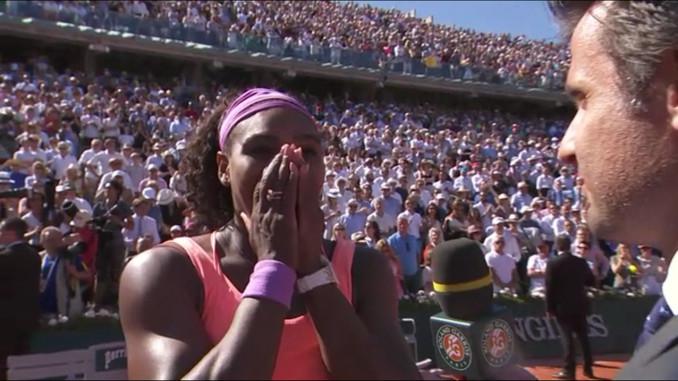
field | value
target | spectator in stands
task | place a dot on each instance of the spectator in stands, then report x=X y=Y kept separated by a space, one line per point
x=502 y=267
x=536 y=271
x=625 y=267
x=386 y=222
x=408 y=250
x=19 y=291
x=653 y=271
x=61 y=276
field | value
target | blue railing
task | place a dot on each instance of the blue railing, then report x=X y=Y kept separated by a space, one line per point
x=271 y=44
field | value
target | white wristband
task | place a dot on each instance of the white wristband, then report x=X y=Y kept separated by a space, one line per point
x=319 y=278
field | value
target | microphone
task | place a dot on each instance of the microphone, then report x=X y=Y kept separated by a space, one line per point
x=472 y=336
x=461 y=279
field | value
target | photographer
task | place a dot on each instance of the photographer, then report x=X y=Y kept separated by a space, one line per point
x=82 y=238
x=61 y=275
x=110 y=256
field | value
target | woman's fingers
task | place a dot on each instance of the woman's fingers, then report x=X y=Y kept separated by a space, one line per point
x=291 y=190
x=246 y=220
x=268 y=184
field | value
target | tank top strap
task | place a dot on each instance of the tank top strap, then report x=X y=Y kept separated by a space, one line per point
x=342 y=263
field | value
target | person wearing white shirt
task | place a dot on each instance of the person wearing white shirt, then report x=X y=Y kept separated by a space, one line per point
x=25 y=156
x=67 y=192
x=136 y=170
x=413 y=218
x=63 y=160
x=511 y=246
x=141 y=225
x=522 y=197
x=536 y=271
x=558 y=225
x=155 y=158
x=385 y=221
x=502 y=267
x=95 y=147
x=463 y=182
x=102 y=160
x=544 y=182
x=566 y=179
x=153 y=175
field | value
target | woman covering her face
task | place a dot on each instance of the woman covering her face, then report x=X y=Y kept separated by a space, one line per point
x=238 y=301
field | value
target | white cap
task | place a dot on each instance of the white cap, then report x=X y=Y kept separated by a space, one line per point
x=148 y=193
x=165 y=196
x=498 y=221
x=81 y=218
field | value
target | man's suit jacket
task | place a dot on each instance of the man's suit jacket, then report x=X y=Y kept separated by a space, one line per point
x=567 y=277
x=19 y=288
x=656 y=359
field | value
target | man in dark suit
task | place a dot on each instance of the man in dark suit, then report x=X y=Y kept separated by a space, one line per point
x=567 y=277
x=19 y=290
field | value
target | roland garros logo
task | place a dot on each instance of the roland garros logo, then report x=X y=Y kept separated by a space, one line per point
x=454 y=348
x=497 y=343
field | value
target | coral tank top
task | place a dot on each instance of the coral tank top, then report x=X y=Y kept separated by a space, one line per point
x=299 y=355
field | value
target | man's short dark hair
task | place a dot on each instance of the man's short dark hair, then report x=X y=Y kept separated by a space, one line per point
x=15 y=224
x=637 y=35
x=563 y=243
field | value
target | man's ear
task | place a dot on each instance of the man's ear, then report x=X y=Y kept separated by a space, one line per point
x=223 y=169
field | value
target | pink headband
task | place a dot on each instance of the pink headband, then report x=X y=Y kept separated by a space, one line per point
x=251 y=102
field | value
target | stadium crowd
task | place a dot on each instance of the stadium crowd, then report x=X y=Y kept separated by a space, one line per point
x=311 y=29
x=95 y=169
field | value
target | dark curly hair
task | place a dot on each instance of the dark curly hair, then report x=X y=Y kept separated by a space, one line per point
x=211 y=201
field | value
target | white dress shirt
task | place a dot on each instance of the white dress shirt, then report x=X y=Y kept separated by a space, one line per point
x=143 y=226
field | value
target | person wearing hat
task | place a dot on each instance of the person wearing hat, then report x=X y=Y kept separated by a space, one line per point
x=502 y=267
x=544 y=181
x=331 y=211
x=62 y=160
x=153 y=175
x=155 y=158
x=170 y=211
x=503 y=208
x=392 y=206
x=67 y=192
x=113 y=190
x=511 y=246
x=522 y=197
x=141 y=225
x=116 y=166
x=475 y=233
x=353 y=220
x=110 y=257
x=176 y=231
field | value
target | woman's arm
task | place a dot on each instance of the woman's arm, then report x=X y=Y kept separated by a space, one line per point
x=160 y=302
x=363 y=340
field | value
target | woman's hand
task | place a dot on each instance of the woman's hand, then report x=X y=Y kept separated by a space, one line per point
x=273 y=220
x=309 y=217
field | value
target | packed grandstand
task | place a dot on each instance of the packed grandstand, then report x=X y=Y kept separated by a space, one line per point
x=455 y=129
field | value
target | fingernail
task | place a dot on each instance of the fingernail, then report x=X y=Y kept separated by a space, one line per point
x=293 y=168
